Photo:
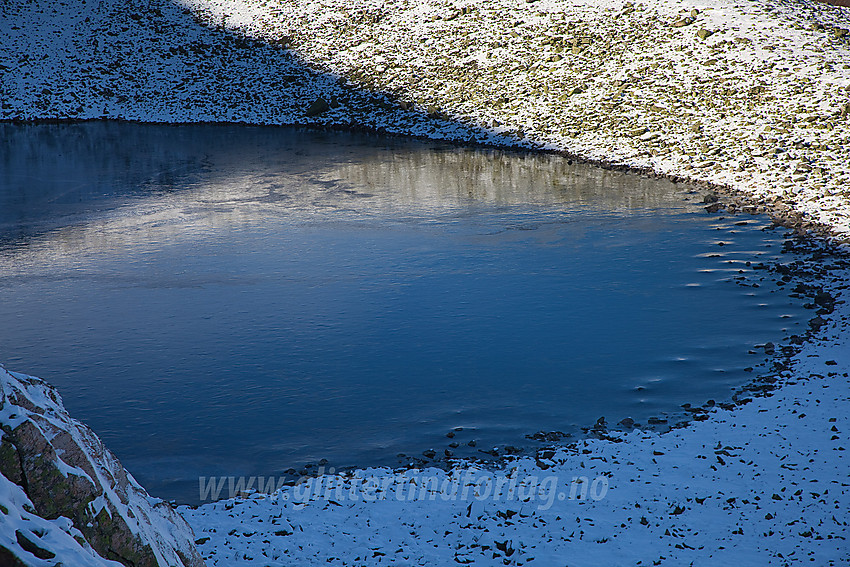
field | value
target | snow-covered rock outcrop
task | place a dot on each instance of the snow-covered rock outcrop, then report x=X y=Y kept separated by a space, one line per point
x=65 y=497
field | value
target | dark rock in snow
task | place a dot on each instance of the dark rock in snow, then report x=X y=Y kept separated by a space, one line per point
x=318 y=107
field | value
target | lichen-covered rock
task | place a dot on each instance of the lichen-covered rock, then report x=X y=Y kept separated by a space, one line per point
x=56 y=473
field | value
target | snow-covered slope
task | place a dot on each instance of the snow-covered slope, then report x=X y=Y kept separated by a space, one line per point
x=65 y=496
x=753 y=94
x=153 y=60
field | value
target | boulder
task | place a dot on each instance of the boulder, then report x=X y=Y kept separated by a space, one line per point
x=63 y=494
x=319 y=106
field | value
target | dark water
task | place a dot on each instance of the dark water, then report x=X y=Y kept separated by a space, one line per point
x=220 y=300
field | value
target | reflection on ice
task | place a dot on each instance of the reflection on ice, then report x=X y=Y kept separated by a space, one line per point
x=105 y=179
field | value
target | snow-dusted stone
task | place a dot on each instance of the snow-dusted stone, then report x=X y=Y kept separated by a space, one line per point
x=66 y=496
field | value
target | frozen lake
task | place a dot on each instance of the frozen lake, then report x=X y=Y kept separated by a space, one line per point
x=225 y=300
